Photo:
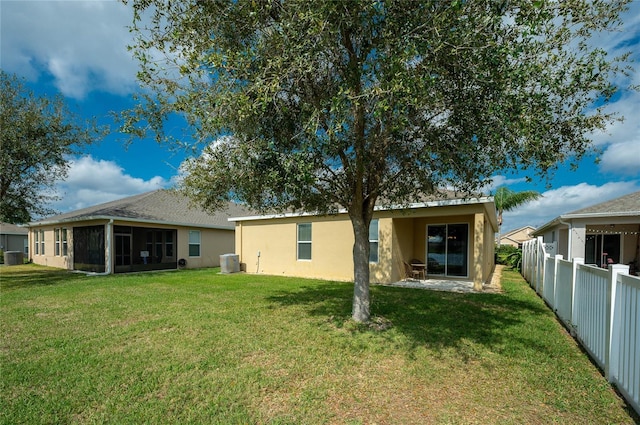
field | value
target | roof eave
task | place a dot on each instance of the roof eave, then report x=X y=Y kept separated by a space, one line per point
x=416 y=205
x=135 y=220
x=568 y=217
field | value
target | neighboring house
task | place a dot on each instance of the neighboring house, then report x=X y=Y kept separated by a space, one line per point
x=453 y=237
x=152 y=231
x=606 y=233
x=517 y=236
x=13 y=238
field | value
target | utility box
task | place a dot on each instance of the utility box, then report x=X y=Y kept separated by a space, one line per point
x=229 y=263
x=13 y=258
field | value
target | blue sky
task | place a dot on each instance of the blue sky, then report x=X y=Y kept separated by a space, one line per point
x=78 y=49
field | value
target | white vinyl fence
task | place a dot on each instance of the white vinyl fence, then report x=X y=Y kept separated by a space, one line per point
x=601 y=307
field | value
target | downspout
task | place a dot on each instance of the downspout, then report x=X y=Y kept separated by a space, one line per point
x=569 y=239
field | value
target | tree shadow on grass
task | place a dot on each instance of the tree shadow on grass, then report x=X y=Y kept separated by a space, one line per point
x=433 y=319
x=30 y=275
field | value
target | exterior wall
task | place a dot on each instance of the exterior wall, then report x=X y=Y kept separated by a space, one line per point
x=269 y=245
x=49 y=258
x=402 y=246
x=213 y=243
x=489 y=249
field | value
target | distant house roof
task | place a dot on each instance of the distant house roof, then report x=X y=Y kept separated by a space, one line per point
x=510 y=235
x=12 y=229
x=624 y=206
x=160 y=206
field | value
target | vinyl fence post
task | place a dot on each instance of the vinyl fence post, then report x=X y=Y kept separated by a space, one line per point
x=557 y=259
x=613 y=330
x=574 y=278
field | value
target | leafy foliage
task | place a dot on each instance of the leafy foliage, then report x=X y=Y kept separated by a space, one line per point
x=319 y=105
x=38 y=136
x=509 y=255
x=508 y=200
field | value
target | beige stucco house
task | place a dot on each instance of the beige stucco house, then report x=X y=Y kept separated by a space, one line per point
x=602 y=234
x=454 y=238
x=517 y=236
x=151 y=231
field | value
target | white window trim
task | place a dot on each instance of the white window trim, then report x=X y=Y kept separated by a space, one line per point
x=199 y=243
x=57 y=247
x=64 y=240
x=309 y=242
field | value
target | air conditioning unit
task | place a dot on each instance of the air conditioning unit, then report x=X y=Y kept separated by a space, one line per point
x=229 y=263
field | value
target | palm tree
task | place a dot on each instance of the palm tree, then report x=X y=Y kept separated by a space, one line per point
x=507 y=200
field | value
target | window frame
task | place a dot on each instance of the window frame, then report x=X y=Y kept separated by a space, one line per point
x=195 y=244
x=449 y=266
x=65 y=241
x=36 y=242
x=300 y=242
x=57 y=240
x=42 y=245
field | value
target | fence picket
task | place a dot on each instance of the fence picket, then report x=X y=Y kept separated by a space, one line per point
x=600 y=306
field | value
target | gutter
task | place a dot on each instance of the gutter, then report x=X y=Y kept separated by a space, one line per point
x=128 y=219
x=429 y=204
x=570 y=238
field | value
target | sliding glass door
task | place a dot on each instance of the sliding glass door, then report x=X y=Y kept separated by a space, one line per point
x=447 y=249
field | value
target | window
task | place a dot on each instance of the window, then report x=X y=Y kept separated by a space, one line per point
x=36 y=242
x=41 y=242
x=194 y=243
x=304 y=241
x=65 y=247
x=56 y=232
x=373 y=241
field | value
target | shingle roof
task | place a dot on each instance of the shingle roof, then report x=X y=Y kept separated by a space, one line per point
x=625 y=204
x=12 y=229
x=160 y=206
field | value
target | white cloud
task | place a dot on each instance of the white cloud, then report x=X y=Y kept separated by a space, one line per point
x=92 y=182
x=83 y=44
x=621 y=140
x=563 y=200
x=622 y=158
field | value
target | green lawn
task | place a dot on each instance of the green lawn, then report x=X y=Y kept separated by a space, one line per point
x=201 y=347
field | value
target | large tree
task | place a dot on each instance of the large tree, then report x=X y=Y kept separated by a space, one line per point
x=38 y=135
x=327 y=104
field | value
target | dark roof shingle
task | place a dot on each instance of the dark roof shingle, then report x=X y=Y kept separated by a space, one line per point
x=625 y=204
x=161 y=206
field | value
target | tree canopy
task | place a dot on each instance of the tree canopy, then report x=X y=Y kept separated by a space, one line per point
x=38 y=136
x=320 y=105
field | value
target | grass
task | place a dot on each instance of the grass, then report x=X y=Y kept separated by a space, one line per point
x=200 y=347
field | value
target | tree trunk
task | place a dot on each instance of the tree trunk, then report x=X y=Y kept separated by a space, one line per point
x=361 y=302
